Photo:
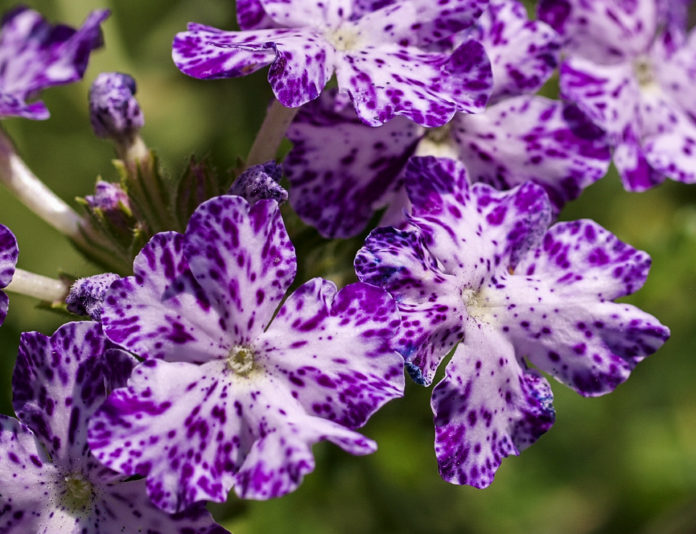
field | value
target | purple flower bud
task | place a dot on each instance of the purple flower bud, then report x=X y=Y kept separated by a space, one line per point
x=259 y=182
x=114 y=111
x=86 y=295
x=112 y=203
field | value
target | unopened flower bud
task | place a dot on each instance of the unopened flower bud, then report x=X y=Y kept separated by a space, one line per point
x=260 y=182
x=114 y=111
x=87 y=295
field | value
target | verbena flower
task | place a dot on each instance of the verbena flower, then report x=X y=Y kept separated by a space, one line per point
x=49 y=481
x=478 y=270
x=628 y=74
x=231 y=396
x=383 y=56
x=35 y=55
x=113 y=110
x=515 y=140
x=9 y=252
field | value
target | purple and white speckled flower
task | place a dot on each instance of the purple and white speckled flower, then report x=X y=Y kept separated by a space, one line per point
x=231 y=396
x=382 y=56
x=631 y=75
x=518 y=139
x=477 y=269
x=49 y=481
x=9 y=252
x=35 y=55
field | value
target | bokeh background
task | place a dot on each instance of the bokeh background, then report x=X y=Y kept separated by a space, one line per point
x=622 y=463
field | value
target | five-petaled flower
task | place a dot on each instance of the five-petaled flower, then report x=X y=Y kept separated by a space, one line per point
x=50 y=483
x=231 y=395
x=384 y=55
x=477 y=270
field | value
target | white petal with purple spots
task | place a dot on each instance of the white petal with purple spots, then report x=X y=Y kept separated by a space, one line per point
x=488 y=406
x=9 y=252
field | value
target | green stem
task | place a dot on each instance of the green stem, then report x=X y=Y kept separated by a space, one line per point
x=275 y=125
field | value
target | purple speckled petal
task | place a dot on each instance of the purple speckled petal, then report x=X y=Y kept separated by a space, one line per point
x=676 y=73
x=303 y=13
x=605 y=32
x=674 y=154
x=609 y=95
x=488 y=406
x=564 y=320
x=9 y=252
x=65 y=370
x=126 y=505
x=12 y=106
x=428 y=88
x=242 y=257
x=532 y=138
x=335 y=350
x=251 y=15
x=429 y=301
x=208 y=430
x=25 y=480
x=635 y=171
x=36 y=55
x=338 y=190
x=473 y=229
x=162 y=312
x=523 y=52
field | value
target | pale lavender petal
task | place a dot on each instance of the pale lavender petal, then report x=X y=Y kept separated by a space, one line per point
x=635 y=171
x=674 y=154
x=35 y=55
x=532 y=138
x=473 y=230
x=125 y=507
x=604 y=32
x=303 y=13
x=429 y=300
x=335 y=350
x=338 y=190
x=26 y=477
x=523 y=53
x=195 y=431
x=564 y=320
x=162 y=312
x=609 y=95
x=242 y=258
x=428 y=88
x=676 y=74
x=488 y=406
x=60 y=381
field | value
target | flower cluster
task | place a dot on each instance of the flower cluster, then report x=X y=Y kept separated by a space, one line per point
x=206 y=367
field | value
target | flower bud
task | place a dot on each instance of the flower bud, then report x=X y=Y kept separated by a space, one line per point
x=87 y=295
x=259 y=182
x=114 y=111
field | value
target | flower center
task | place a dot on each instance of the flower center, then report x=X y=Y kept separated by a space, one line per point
x=477 y=305
x=78 y=493
x=345 y=38
x=645 y=74
x=240 y=360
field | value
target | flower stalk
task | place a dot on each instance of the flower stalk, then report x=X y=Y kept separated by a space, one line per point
x=275 y=125
x=38 y=286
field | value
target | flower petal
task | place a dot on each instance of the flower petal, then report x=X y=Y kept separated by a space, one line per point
x=428 y=88
x=563 y=318
x=251 y=15
x=604 y=32
x=532 y=138
x=60 y=381
x=429 y=301
x=488 y=406
x=162 y=312
x=195 y=431
x=9 y=252
x=335 y=350
x=301 y=13
x=338 y=190
x=242 y=257
x=524 y=53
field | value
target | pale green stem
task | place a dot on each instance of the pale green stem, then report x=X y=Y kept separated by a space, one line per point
x=38 y=286
x=275 y=125
x=33 y=193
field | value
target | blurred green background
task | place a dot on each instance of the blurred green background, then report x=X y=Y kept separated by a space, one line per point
x=622 y=463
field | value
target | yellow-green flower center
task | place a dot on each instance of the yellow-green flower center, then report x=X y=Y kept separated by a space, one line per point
x=644 y=71
x=345 y=38
x=241 y=360
x=78 y=493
